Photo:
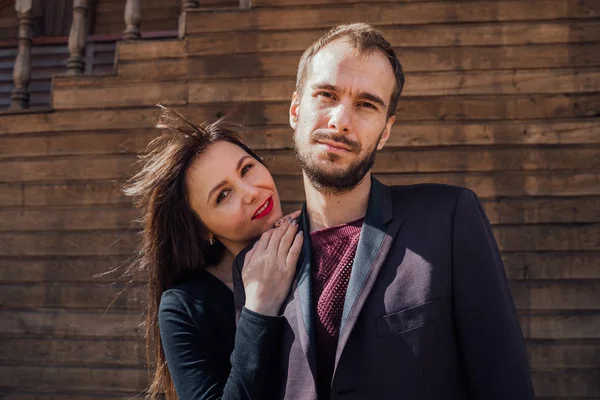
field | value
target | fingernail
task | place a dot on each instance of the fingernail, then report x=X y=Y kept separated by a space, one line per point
x=294 y=222
x=277 y=223
x=300 y=233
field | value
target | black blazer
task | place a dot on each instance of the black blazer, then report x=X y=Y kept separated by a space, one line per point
x=428 y=312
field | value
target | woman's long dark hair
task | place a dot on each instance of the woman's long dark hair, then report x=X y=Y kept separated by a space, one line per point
x=174 y=241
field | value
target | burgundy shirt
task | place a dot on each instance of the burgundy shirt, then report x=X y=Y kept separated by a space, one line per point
x=333 y=251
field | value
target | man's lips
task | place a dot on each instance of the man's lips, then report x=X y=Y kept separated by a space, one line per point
x=264 y=209
x=334 y=145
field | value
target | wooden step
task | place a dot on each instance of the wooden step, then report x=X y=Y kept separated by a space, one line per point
x=98 y=270
x=511 y=238
x=486 y=185
x=427 y=108
x=88 y=379
x=110 y=92
x=105 y=270
x=83 y=352
x=69 y=395
x=124 y=217
x=256 y=65
x=75 y=296
x=563 y=354
x=395 y=14
x=557 y=295
x=442 y=160
x=563 y=325
x=124 y=325
x=150 y=49
x=570 y=384
x=527 y=295
x=283 y=162
x=552 y=265
x=71 y=324
x=120 y=243
x=401 y=37
x=86 y=219
x=411 y=135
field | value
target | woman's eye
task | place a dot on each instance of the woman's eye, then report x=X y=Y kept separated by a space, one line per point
x=246 y=169
x=222 y=195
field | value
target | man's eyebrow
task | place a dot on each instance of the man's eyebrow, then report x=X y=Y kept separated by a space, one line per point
x=373 y=98
x=363 y=95
x=223 y=183
x=325 y=86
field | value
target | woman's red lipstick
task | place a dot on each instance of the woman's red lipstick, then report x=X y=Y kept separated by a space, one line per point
x=265 y=210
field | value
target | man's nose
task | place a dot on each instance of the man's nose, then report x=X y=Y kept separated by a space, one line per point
x=339 y=119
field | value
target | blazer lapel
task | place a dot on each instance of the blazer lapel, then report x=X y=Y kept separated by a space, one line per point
x=304 y=295
x=378 y=231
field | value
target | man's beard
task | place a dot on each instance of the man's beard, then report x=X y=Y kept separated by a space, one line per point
x=338 y=181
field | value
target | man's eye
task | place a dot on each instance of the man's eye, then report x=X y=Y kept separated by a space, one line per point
x=222 y=195
x=368 y=105
x=325 y=94
x=246 y=169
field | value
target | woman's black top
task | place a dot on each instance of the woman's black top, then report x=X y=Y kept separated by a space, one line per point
x=207 y=357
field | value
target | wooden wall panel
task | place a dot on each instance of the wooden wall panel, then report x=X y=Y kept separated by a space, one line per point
x=501 y=97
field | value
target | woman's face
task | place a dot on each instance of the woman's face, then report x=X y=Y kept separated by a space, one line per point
x=233 y=194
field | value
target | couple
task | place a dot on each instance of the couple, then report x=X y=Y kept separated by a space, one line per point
x=371 y=292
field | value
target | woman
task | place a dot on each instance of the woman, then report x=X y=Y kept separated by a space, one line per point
x=204 y=196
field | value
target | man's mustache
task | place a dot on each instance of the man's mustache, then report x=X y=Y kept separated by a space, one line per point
x=333 y=137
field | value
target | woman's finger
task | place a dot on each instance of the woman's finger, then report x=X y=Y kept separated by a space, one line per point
x=289 y=218
x=264 y=240
x=276 y=236
x=286 y=240
x=294 y=253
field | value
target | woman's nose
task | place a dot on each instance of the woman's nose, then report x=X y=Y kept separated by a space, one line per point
x=250 y=193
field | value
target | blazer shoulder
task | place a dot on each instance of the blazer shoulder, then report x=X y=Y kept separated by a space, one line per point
x=429 y=194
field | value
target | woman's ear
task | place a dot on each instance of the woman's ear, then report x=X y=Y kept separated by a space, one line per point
x=294 y=108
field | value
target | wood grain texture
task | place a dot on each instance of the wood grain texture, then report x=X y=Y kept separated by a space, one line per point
x=97 y=270
x=83 y=352
x=62 y=323
x=115 y=217
x=92 y=296
x=274 y=137
x=421 y=84
x=570 y=325
x=432 y=35
x=396 y=13
x=121 y=167
x=435 y=108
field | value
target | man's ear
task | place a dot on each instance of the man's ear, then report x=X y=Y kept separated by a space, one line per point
x=294 y=110
x=386 y=133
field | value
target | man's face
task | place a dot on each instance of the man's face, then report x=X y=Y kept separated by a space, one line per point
x=340 y=118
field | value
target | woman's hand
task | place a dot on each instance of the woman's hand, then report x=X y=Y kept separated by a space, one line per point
x=270 y=266
x=287 y=218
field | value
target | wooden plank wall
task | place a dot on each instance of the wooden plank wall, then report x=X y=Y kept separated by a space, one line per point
x=502 y=97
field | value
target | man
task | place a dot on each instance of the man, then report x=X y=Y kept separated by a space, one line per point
x=400 y=291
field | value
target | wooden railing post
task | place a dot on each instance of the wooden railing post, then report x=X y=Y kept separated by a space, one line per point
x=78 y=38
x=22 y=69
x=187 y=5
x=133 y=17
x=245 y=4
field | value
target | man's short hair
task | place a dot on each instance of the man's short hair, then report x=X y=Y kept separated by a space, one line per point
x=364 y=38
